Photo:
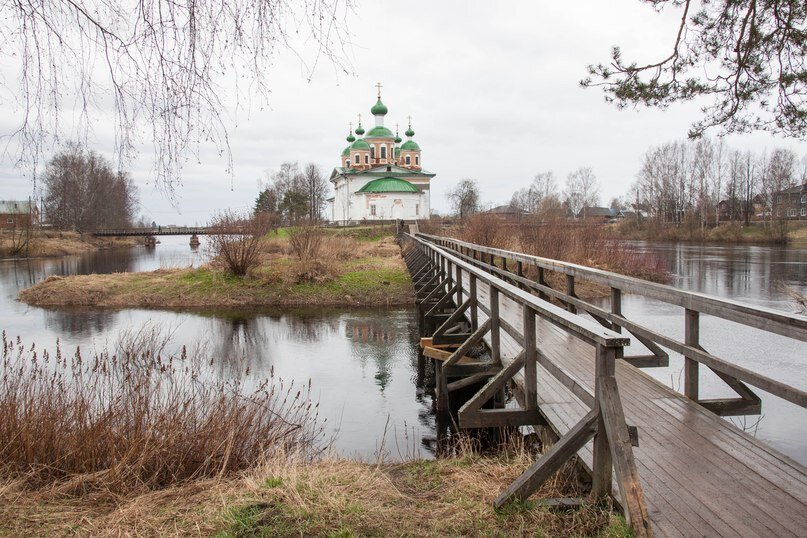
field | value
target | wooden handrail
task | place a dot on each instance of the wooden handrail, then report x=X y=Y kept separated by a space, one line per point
x=583 y=328
x=768 y=319
x=781 y=323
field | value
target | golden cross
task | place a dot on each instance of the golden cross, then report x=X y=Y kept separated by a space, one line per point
x=378 y=85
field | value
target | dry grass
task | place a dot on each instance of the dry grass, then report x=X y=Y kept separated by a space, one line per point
x=55 y=243
x=288 y=496
x=134 y=420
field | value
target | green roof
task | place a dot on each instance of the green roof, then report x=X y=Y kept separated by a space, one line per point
x=410 y=145
x=360 y=144
x=351 y=138
x=409 y=132
x=379 y=109
x=379 y=132
x=360 y=130
x=346 y=152
x=388 y=184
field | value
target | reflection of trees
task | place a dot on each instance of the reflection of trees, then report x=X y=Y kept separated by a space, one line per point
x=82 y=322
x=374 y=340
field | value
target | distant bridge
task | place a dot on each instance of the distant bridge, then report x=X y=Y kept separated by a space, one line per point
x=166 y=230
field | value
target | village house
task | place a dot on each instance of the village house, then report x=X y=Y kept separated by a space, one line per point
x=601 y=213
x=506 y=213
x=791 y=203
x=18 y=214
x=380 y=178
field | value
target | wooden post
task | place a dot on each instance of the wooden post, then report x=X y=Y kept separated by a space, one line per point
x=691 y=338
x=570 y=292
x=459 y=284
x=616 y=309
x=530 y=359
x=472 y=296
x=495 y=346
x=602 y=471
x=520 y=272
x=542 y=282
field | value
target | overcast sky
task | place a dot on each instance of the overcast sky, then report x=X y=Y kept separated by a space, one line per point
x=492 y=88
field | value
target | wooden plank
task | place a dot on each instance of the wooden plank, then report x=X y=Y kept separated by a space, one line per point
x=465 y=347
x=566 y=447
x=492 y=387
x=498 y=418
x=467 y=381
x=443 y=355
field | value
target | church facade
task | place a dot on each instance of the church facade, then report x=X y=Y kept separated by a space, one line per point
x=380 y=177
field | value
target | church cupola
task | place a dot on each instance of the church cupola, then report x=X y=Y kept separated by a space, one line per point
x=359 y=129
x=380 y=138
x=410 y=151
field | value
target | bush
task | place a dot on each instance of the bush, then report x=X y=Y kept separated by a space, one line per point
x=134 y=419
x=305 y=242
x=234 y=241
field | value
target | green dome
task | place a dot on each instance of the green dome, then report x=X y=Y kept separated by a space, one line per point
x=379 y=109
x=409 y=132
x=397 y=139
x=388 y=184
x=346 y=152
x=410 y=145
x=351 y=138
x=380 y=132
x=360 y=145
x=397 y=152
x=360 y=130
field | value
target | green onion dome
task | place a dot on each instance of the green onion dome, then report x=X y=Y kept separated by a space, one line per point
x=397 y=139
x=380 y=132
x=360 y=145
x=410 y=145
x=351 y=138
x=346 y=152
x=360 y=130
x=409 y=132
x=379 y=109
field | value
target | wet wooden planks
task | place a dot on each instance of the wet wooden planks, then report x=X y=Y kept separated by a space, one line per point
x=701 y=475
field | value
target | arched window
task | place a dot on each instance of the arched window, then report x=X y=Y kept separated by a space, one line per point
x=366 y=158
x=417 y=160
x=408 y=160
x=383 y=152
x=372 y=152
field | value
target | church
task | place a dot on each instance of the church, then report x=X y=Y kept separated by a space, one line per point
x=380 y=178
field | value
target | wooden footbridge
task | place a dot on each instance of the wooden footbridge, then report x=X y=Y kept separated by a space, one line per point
x=668 y=460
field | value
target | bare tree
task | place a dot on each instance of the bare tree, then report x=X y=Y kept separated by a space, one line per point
x=464 y=197
x=746 y=55
x=316 y=187
x=581 y=190
x=529 y=198
x=161 y=61
x=83 y=192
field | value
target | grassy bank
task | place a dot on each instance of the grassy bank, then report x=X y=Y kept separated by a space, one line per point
x=726 y=233
x=348 y=272
x=126 y=442
x=54 y=243
x=330 y=497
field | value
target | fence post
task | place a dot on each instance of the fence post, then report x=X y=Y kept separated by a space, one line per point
x=495 y=349
x=474 y=302
x=570 y=292
x=691 y=338
x=542 y=282
x=530 y=356
x=602 y=468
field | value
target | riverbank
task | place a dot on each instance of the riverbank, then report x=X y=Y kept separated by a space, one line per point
x=330 y=497
x=731 y=233
x=349 y=273
x=43 y=244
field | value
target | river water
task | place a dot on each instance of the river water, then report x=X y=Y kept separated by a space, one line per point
x=362 y=363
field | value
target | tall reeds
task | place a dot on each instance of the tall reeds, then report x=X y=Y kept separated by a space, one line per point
x=134 y=419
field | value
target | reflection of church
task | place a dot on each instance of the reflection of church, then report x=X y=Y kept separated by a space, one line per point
x=369 y=332
x=380 y=178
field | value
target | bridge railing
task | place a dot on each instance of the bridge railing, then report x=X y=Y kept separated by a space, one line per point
x=494 y=307
x=532 y=272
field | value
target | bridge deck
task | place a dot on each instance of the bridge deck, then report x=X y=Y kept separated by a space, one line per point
x=701 y=475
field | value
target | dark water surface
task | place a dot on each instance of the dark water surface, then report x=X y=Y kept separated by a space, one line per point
x=362 y=364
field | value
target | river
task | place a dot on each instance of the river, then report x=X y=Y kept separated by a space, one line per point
x=362 y=363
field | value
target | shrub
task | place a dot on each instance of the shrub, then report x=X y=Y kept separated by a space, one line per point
x=136 y=420
x=234 y=241
x=305 y=242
